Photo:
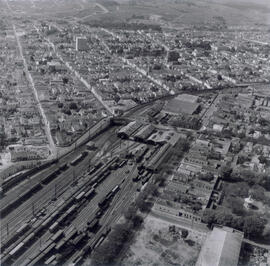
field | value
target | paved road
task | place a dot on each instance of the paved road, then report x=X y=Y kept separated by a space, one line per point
x=258 y=42
x=105 y=10
x=256 y=244
x=41 y=110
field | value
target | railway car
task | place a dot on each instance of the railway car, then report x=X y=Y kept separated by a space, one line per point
x=71 y=210
x=28 y=240
x=37 y=260
x=46 y=245
x=93 y=225
x=14 y=180
x=25 y=227
x=71 y=233
x=78 y=260
x=48 y=251
x=99 y=241
x=90 y=193
x=48 y=179
x=122 y=163
x=92 y=170
x=107 y=231
x=107 y=199
x=103 y=203
x=79 y=158
x=103 y=176
x=95 y=185
x=100 y=212
x=26 y=262
x=78 y=240
x=115 y=190
x=137 y=178
x=61 y=245
x=37 y=227
x=54 y=227
x=61 y=220
x=80 y=196
x=114 y=166
x=46 y=223
x=57 y=236
x=16 y=250
x=87 y=249
x=50 y=260
x=63 y=167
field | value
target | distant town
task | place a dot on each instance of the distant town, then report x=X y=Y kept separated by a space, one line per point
x=140 y=141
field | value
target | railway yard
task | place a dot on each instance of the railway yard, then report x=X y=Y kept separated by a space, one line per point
x=62 y=213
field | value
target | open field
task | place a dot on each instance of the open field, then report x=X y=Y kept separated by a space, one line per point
x=165 y=12
x=160 y=244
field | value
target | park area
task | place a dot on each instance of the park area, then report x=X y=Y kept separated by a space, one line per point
x=161 y=243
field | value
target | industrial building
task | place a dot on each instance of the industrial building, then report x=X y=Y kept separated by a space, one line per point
x=157 y=159
x=144 y=133
x=221 y=248
x=128 y=130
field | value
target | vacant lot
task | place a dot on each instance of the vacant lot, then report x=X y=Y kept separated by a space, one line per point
x=160 y=243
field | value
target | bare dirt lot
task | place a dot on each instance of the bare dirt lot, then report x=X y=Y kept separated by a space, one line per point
x=160 y=243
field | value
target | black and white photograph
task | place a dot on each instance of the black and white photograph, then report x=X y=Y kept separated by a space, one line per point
x=135 y=132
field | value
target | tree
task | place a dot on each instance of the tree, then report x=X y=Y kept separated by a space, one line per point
x=105 y=254
x=225 y=172
x=130 y=213
x=219 y=77
x=208 y=217
x=117 y=98
x=237 y=222
x=66 y=110
x=223 y=217
x=254 y=226
x=108 y=251
x=248 y=176
x=262 y=159
x=73 y=106
x=264 y=181
x=151 y=189
x=185 y=147
x=120 y=233
x=206 y=177
x=263 y=122
x=239 y=189
x=252 y=131
x=257 y=192
x=65 y=80
x=242 y=158
x=137 y=221
x=236 y=205
x=184 y=233
x=196 y=206
x=160 y=179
